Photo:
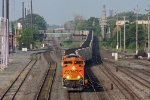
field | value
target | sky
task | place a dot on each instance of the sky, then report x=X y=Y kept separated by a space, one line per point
x=60 y=11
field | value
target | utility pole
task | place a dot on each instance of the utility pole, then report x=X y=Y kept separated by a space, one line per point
x=3 y=8
x=31 y=22
x=7 y=25
x=124 y=35
x=117 y=30
x=148 y=33
x=22 y=15
x=15 y=34
x=25 y=18
x=137 y=10
x=31 y=45
x=7 y=12
x=120 y=39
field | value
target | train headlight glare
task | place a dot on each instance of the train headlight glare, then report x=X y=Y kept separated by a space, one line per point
x=79 y=76
x=73 y=68
x=68 y=77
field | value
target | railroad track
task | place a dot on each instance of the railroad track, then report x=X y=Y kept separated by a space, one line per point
x=46 y=86
x=74 y=96
x=123 y=87
x=141 y=63
x=133 y=76
x=144 y=72
x=14 y=88
x=96 y=86
x=58 y=54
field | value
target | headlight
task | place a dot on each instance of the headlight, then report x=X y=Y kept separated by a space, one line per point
x=79 y=76
x=73 y=68
x=68 y=77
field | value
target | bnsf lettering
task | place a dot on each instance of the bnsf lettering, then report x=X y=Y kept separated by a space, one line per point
x=72 y=71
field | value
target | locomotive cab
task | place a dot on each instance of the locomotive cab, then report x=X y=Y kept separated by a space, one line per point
x=72 y=71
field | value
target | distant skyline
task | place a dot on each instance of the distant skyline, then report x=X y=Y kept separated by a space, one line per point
x=58 y=12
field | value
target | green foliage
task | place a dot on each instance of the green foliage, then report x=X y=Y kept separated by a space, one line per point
x=37 y=20
x=26 y=38
x=130 y=32
x=67 y=42
x=13 y=29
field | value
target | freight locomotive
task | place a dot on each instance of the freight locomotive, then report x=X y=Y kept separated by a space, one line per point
x=73 y=63
x=73 y=71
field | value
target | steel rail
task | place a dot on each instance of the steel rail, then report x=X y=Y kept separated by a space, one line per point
x=131 y=93
x=46 y=77
x=18 y=78
x=74 y=96
x=92 y=85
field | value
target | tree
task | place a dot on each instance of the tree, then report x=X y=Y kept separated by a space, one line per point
x=12 y=28
x=25 y=38
x=69 y=25
x=37 y=20
x=79 y=22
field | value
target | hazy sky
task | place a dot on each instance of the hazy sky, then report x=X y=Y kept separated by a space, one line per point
x=60 y=11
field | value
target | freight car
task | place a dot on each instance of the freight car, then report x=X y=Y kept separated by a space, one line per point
x=73 y=63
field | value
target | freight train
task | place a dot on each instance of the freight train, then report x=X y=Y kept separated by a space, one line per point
x=73 y=63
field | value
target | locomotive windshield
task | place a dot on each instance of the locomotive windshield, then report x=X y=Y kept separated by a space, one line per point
x=78 y=62
x=67 y=62
x=72 y=56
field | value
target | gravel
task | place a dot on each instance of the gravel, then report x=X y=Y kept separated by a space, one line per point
x=135 y=64
x=58 y=92
x=8 y=75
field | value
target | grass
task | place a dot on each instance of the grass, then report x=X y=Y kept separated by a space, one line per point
x=47 y=88
x=115 y=50
x=11 y=80
x=32 y=58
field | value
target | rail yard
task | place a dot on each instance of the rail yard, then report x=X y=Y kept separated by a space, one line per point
x=40 y=74
x=74 y=50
